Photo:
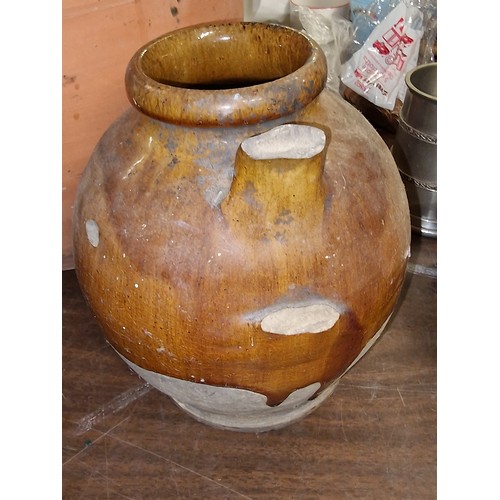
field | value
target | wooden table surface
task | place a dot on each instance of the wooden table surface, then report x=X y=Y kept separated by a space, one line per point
x=375 y=438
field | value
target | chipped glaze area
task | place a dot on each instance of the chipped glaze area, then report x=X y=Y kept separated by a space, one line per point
x=92 y=230
x=294 y=320
x=286 y=141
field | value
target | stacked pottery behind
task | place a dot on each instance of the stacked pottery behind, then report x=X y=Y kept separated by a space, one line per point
x=241 y=233
x=415 y=149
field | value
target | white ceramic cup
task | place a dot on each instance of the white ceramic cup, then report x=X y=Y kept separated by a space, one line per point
x=267 y=11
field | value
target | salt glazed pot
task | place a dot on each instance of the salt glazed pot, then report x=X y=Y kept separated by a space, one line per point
x=241 y=233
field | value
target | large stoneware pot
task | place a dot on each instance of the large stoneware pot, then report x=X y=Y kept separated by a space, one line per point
x=240 y=233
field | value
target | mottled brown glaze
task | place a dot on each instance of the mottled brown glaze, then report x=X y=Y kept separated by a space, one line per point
x=239 y=56
x=181 y=266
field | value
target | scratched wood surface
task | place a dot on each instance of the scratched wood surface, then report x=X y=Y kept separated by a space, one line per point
x=375 y=438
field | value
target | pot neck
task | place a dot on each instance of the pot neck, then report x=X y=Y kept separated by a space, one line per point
x=226 y=74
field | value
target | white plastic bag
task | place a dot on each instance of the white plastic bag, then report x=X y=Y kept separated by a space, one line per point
x=377 y=70
x=332 y=32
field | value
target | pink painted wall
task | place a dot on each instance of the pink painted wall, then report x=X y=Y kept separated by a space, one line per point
x=99 y=38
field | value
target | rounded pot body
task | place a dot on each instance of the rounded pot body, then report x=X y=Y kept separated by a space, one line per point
x=240 y=233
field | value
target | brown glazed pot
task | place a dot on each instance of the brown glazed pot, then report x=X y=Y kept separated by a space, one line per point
x=240 y=233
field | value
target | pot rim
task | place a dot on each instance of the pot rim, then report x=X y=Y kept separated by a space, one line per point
x=241 y=105
x=416 y=90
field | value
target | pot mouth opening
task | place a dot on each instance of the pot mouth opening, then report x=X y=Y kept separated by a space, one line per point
x=226 y=56
x=226 y=73
x=422 y=81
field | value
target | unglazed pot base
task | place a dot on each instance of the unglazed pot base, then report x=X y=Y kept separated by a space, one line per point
x=247 y=411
